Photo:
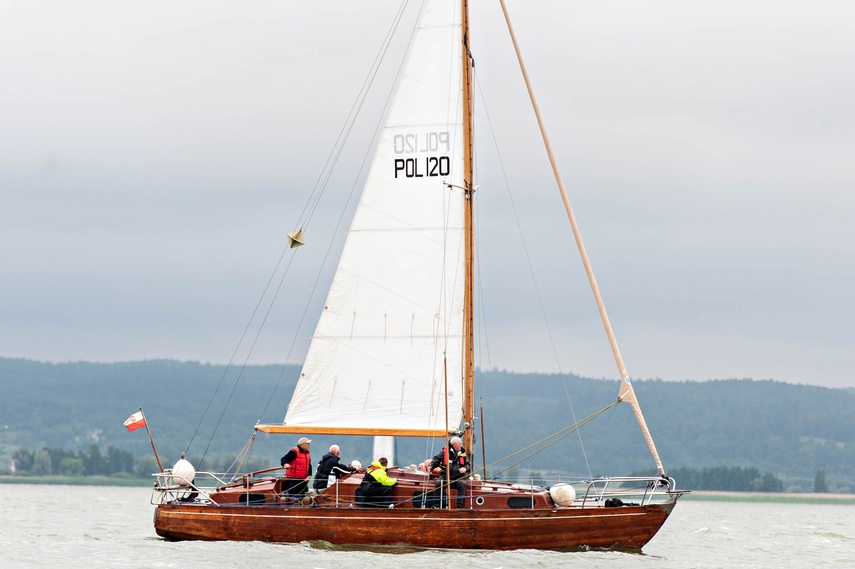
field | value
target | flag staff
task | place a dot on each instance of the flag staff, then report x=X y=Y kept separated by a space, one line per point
x=151 y=440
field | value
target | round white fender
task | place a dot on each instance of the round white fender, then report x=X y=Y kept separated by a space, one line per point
x=183 y=473
x=562 y=494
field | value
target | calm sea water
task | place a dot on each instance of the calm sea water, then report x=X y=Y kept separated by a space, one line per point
x=90 y=527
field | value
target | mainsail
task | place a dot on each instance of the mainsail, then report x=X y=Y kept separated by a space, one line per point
x=391 y=331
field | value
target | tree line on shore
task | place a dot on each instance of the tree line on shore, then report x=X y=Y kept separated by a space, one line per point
x=790 y=431
x=725 y=479
x=115 y=462
x=52 y=461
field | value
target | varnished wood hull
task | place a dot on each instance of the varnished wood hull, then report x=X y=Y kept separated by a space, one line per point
x=628 y=527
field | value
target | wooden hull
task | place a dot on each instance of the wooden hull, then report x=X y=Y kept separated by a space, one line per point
x=629 y=527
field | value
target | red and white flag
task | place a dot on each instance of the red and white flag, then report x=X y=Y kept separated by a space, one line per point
x=135 y=421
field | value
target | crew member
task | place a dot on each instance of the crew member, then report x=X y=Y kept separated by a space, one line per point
x=376 y=487
x=297 y=463
x=330 y=465
x=455 y=461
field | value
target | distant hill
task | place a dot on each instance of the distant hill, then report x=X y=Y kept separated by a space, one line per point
x=790 y=431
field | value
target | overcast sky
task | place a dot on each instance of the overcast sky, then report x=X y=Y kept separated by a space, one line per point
x=153 y=157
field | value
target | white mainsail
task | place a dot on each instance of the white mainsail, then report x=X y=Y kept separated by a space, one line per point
x=392 y=325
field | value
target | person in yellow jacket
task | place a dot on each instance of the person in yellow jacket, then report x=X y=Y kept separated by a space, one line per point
x=376 y=487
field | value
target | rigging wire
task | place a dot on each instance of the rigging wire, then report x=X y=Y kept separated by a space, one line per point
x=347 y=127
x=237 y=347
x=241 y=461
x=557 y=436
x=482 y=313
x=249 y=354
x=314 y=198
x=453 y=117
x=344 y=209
x=531 y=270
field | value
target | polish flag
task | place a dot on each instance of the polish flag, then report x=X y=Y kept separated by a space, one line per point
x=135 y=421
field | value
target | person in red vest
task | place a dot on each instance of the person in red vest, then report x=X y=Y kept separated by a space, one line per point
x=297 y=463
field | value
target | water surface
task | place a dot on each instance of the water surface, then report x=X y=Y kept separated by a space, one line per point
x=77 y=527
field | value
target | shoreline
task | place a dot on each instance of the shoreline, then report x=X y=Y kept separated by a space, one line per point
x=76 y=480
x=695 y=495
x=770 y=497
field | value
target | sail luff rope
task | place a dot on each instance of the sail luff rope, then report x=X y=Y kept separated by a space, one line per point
x=626 y=392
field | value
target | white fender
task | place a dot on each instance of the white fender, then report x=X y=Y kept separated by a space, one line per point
x=183 y=473
x=562 y=494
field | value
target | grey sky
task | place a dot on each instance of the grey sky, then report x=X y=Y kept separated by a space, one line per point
x=152 y=157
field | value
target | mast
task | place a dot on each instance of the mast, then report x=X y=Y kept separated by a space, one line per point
x=469 y=233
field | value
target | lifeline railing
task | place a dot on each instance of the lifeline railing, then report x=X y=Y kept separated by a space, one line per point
x=647 y=490
x=635 y=490
x=629 y=490
x=174 y=487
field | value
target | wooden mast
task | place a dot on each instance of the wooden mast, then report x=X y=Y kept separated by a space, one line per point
x=469 y=233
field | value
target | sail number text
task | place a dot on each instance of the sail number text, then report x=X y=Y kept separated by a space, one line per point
x=422 y=166
x=415 y=168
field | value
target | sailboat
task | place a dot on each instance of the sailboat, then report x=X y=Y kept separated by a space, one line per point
x=393 y=356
